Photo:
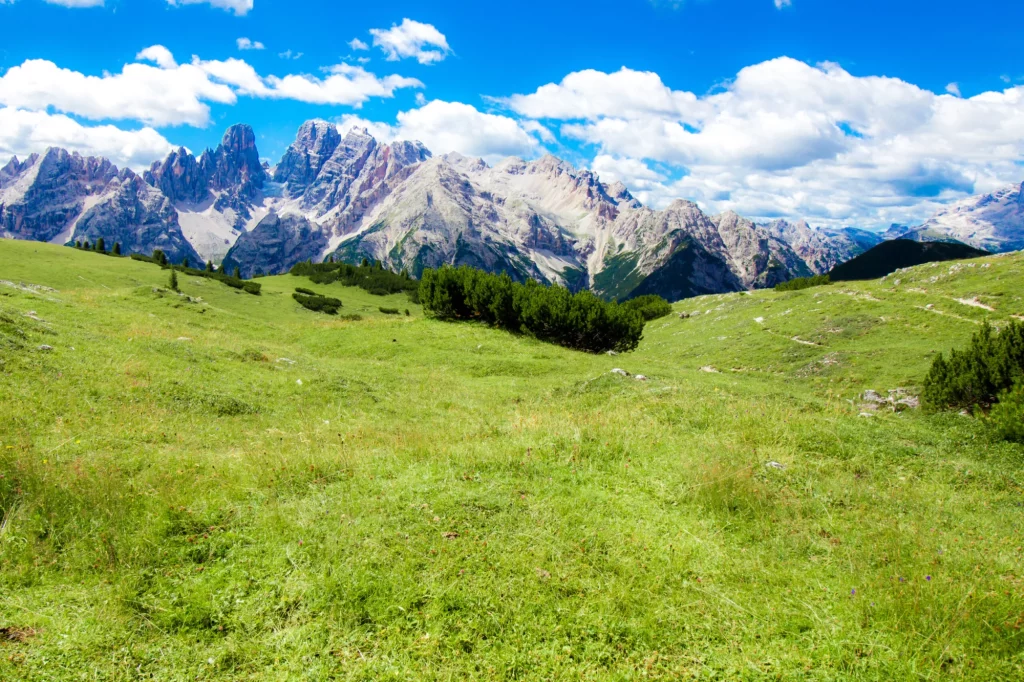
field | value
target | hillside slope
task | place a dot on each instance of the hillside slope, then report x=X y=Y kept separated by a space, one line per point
x=238 y=488
x=890 y=256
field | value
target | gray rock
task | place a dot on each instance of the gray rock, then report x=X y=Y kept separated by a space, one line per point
x=302 y=162
x=44 y=347
x=275 y=244
x=620 y=372
x=139 y=217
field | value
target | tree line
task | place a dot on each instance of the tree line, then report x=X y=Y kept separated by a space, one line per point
x=371 y=277
x=581 y=321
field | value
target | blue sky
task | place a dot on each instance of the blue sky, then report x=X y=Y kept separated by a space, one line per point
x=841 y=112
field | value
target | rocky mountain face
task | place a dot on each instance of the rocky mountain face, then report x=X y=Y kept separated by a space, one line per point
x=822 y=249
x=217 y=196
x=550 y=221
x=355 y=197
x=992 y=222
x=59 y=197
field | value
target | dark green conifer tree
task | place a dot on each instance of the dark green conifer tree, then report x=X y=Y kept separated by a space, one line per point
x=117 y=249
x=209 y=266
x=184 y=262
x=101 y=247
x=174 y=279
x=237 y=274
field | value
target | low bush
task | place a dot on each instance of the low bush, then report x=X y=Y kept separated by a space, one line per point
x=235 y=282
x=1007 y=415
x=977 y=375
x=389 y=311
x=581 y=321
x=248 y=286
x=650 y=306
x=307 y=292
x=317 y=303
x=372 y=278
x=353 y=317
x=804 y=283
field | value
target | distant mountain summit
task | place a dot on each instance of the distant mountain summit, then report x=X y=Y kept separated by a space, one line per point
x=59 y=197
x=993 y=222
x=354 y=197
x=217 y=196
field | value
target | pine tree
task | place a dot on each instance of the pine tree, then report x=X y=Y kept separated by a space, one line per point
x=237 y=274
x=101 y=247
x=174 y=279
x=159 y=257
x=209 y=266
x=117 y=249
x=365 y=263
x=78 y=244
x=87 y=246
x=184 y=262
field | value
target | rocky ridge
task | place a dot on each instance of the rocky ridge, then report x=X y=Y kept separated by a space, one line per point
x=355 y=197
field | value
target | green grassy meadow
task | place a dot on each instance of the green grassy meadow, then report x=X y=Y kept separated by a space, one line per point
x=236 y=488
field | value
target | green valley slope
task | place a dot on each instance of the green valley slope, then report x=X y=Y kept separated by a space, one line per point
x=238 y=488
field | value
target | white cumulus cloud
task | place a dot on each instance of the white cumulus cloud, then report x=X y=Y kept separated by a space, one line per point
x=357 y=44
x=169 y=93
x=25 y=132
x=785 y=138
x=454 y=127
x=779 y=4
x=411 y=39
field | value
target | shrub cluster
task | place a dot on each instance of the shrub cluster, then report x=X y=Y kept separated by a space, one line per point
x=979 y=374
x=372 y=278
x=247 y=286
x=803 y=283
x=158 y=258
x=650 y=306
x=315 y=302
x=1008 y=414
x=389 y=311
x=99 y=247
x=550 y=313
x=233 y=281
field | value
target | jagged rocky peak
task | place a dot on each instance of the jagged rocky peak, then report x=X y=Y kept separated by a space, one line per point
x=236 y=163
x=407 y=153
x=618 y=191
x=466 y=164
x=180 y=176
x=314 y=144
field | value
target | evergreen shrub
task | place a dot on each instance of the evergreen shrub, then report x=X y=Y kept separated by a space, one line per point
x=581 y=321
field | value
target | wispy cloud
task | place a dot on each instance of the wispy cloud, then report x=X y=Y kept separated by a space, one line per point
x=246 y=44
x=239 y=7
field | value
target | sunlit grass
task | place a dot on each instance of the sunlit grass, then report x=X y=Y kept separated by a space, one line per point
x=243 y=489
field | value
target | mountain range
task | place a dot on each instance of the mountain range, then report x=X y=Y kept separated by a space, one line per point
x=354 y=197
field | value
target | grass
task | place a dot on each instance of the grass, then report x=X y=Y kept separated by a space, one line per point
x=219 y=486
